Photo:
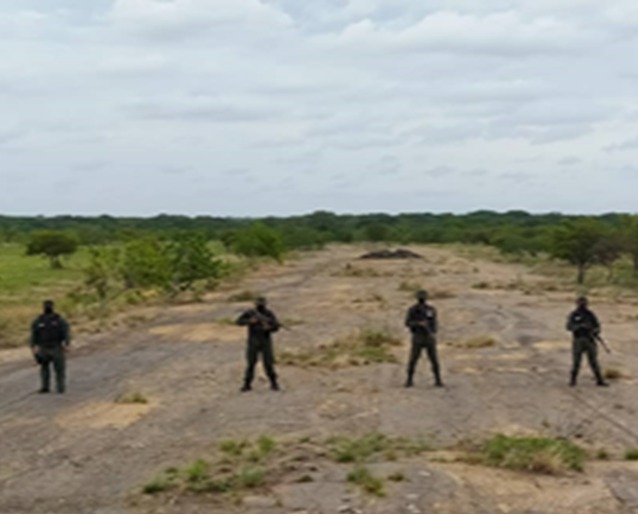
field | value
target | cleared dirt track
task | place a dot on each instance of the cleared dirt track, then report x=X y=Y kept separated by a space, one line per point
x=85 y=453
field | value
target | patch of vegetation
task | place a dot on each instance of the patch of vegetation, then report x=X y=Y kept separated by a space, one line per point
x=243 y=296
x=631 y=454
x=165 y=481
x=358 y=272
x=613 y=374
x=480 y=341
x=132 y=398
x=374 y=447
x=362 y=477
x=397 y=476
x=360 y=348
x=534 y=454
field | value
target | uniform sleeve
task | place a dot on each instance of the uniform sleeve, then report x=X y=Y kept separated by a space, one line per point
x=410 y=322
x=34 y=333
x=569 y=326
x=434 y=325
x=244 y=319
x=274 y=322
x=596 y=329
x=67 y=332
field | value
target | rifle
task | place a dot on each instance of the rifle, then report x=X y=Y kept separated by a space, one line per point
x=603 y=343
x=265 y=321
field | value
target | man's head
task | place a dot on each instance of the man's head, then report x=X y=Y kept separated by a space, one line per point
x=261 y=302
x=422 y=295
x=48 y=306
x=582 y=302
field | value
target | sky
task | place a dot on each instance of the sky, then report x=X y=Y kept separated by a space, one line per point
x=278 y=107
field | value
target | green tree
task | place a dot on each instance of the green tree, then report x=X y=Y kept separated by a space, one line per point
x=191 y=260
x=53 y=245
x=578 y=242
x=630 y=240
x=101 y=273
x=259 y=240
x=145 y=263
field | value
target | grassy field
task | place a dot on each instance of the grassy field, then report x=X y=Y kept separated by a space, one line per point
x=25 y=282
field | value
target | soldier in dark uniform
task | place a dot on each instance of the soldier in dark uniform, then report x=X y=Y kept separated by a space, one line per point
x=261 y=323
x=584 y=326
x=422 y=321
x=50 y=338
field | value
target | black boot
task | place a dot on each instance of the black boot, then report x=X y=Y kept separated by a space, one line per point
x=246 y=387
x=409 y=382
x=572 y=380
x=274 y=386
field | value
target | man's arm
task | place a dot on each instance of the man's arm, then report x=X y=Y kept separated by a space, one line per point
x=434 y=323
x=245 y=319
x=67 y=332
x=34 y=334
x=273 y=322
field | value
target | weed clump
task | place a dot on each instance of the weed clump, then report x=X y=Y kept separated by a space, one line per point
x=534 y=454
x=631 y=454
x=362 y=477
x=360 y=348
x=481 y=341
x=132 y=399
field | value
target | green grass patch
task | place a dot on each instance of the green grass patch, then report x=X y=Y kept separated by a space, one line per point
x=362 y=477
x=375 y=447
x=631 y=454
x=132 y=398
x=533 y=454
x=360 y=348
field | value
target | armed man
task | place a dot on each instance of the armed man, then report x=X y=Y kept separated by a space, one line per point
x=585 y=328
x=261 y=323
x=421 y=319
x=50 y=339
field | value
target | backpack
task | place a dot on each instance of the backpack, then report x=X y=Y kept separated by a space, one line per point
x=50 y=330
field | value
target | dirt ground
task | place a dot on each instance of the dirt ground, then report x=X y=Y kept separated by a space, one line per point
x=84 y=453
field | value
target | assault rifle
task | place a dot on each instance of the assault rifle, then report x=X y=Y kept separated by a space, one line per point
x=265 y=321
x=602 y=342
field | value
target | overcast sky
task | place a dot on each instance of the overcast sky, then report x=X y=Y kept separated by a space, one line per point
x=248 y=107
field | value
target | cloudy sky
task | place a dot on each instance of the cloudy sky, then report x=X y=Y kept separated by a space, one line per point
x=249 y=107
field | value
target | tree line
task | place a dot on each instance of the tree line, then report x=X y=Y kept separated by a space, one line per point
x=580 y=240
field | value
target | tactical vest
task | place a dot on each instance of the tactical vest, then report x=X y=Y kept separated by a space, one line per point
x=50 y=331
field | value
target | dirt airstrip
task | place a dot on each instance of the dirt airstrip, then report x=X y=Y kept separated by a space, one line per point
x=86 y=453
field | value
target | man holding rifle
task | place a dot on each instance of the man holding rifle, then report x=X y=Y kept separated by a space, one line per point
x=584 y=326
x=422 y=321
x=261 y=323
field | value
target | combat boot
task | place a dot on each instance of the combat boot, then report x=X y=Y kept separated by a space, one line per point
x=245 y=388
x=409 y=382
x=274 y=386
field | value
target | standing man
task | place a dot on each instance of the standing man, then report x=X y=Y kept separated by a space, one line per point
x=50 y=338
x=261 y=323
x=422 y=322
x=585 y=328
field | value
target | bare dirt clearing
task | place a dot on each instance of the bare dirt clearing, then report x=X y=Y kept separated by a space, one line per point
x=83 y=452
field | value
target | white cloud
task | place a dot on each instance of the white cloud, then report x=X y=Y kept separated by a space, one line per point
x=336 y=104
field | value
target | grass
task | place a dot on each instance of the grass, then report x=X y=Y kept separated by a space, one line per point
x=360 y=348
x=374 y=447
x=613 y=374
x=238 y=466
x=477 y=342
x=132 y=398
x=631 y=454
x=243 y=296
x=533 y=454
x=362 y=477
x=359 y=272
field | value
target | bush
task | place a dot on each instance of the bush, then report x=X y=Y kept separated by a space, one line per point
x=53 y=245
x=258 y=240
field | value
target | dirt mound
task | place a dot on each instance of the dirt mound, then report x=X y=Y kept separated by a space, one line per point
x=399 y=253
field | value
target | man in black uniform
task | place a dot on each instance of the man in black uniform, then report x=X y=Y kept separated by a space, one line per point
x=422 y=321
x=50 y=338
x=584 y=326
x=261 y=323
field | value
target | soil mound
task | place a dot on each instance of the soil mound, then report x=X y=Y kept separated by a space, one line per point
x=399 y=253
